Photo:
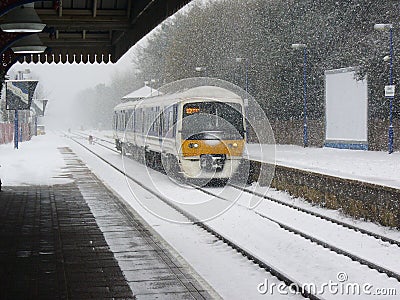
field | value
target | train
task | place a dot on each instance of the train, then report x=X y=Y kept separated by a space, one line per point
x=197 y=133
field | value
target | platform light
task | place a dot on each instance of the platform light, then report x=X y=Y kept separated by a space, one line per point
x=299 y=46
x=30 y=44
x=246 y=72
x=201 y=69
x=383 y=27
x=305 y=129
x=23 y=19
x=389 y=27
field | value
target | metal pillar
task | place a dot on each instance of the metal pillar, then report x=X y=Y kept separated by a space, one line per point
x=390 y=134
x=305 y=131
x=16 y=131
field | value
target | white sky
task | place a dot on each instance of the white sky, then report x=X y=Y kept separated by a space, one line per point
x=62 y=82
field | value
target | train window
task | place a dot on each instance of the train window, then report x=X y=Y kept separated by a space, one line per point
x=169 y=121
x=174 y=119
x=129 y=117
x=161 y=123
x=152 y=121
x=119 y=120
x=142 y=119
x=138 y=121
x=164 y=122
x=132 y=120
x=126 y=117
x=149 y=117
x=156 y=121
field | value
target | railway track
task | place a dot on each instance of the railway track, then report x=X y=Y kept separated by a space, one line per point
x=292 y=206
x=321 y=216
x=280 y=275
x=195 y=221
x=315 y=240
x=85 y=136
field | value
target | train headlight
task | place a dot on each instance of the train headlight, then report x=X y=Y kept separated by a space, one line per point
x=193 y=145
x=234 y=145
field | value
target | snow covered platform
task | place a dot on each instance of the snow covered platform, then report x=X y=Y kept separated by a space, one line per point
x=64 y=234
x=375 y=167
x=362 y=184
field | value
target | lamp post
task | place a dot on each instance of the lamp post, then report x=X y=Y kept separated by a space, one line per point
x=305 y=131
x=17 y=134
x=389 y=27
x=146 y=83
x=154 y=82
x=239 y=60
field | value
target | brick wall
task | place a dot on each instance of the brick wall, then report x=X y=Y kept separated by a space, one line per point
x=355 y=198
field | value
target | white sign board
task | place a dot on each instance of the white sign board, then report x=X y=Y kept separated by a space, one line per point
x=389 y=90
x=346 y=110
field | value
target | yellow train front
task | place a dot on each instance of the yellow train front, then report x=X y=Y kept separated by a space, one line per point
x=198 y=133
x=212 y=138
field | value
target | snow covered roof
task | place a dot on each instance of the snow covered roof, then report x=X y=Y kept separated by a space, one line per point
x=143 y=92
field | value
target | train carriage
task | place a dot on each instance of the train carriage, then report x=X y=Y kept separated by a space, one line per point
x=199 y=133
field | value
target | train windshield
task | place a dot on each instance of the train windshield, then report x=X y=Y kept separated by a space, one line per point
x=212 y=120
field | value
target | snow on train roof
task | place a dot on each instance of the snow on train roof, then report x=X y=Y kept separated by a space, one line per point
x=209 y=91
x=201 y=91
x=143 y=92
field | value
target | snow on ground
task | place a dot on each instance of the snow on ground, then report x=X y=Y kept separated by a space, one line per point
x=36 y=162
x=377 y=167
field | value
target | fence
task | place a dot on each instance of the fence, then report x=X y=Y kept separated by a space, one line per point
x=7 y=132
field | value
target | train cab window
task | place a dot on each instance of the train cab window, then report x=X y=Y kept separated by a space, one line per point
x=202 y=117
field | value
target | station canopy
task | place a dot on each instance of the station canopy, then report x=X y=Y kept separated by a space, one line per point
x=96 y=30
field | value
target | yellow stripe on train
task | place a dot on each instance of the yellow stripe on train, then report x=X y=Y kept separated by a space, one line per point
x=198 y=147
